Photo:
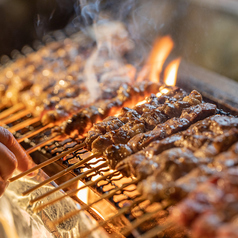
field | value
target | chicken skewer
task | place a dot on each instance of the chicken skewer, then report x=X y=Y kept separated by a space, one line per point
x=128 y=135
x=174 y=190
x=111 y=126
x=74 y=166
x=217 y=213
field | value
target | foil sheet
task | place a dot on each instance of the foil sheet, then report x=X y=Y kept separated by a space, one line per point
x=17 y=219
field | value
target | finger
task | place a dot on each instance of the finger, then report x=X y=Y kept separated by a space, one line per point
x=3 y=186
x=24 y=160
x=8 y=162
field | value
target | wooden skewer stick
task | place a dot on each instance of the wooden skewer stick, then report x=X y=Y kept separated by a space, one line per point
x=15 y=117
x=33 y=133
x=120 y=212
x=43 y=143
x=72 y=192
x=155 y=231
x=104 y=196
x=58 y=175
x=47 y=162
x=23 y=124
x=2 y=106
x=11 y=110
x=144 y=218
x=67 y=183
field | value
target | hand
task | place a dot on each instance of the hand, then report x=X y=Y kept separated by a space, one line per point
x=12 y=156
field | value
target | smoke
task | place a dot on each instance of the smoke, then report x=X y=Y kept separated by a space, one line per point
x=117 y=26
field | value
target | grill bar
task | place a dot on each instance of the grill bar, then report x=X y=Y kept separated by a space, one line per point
x=73 y=192
x=47 y=162
x=120 y=212
x=66 y=184
x=105 y=196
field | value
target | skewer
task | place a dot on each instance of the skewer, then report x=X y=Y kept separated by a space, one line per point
x=15 y=117
x=58 y=175
x=67 y=183
x=3 y=106
x=43 y=143
x=32 y=133
x=11 y=110
x=24 y=124
x=120 y=212
x=158 y=229
x=72 y=192
x=144 y=218
x=47 y=162
x=104 y=196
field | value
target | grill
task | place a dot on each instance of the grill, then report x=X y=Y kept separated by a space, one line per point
x=127 y=212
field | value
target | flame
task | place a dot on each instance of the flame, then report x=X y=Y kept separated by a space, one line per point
x=160 y=53
x=83 y=193
x=171 y=72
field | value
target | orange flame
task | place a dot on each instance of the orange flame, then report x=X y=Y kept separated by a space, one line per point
x=83 y=193
x=159 y=54
x=171 y=72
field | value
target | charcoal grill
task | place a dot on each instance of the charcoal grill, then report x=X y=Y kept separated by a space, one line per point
x=134 y=210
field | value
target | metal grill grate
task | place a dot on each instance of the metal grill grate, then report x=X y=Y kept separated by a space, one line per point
x=124 y=197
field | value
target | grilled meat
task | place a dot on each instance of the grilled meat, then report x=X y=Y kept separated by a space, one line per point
x=211 y=209
x=167 y=180
x=126 y=94
x=128 y=115
x=203 y=132
x=141 y=125
x=117 y=153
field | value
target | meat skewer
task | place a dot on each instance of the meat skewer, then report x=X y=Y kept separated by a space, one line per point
x=176 y=189
x=82 y=145
x=133 y=127
x=204 y=110
x=193 y=138
x=97 y=153
x=115 y=154
x=179 y=170
x=77 y=164
x=127 y=115
x=211 y=216
x=127 y=94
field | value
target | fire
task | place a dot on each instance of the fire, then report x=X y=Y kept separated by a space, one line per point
x=83 y=193
x=171 y=72
x=160 y=53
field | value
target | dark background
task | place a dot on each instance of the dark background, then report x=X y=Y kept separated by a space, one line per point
x=23 y=21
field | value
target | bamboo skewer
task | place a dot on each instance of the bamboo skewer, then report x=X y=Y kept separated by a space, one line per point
x=105 y=196
x=58 y=175
x=144 y=218
x=47 y=162
x=155 y=231
x=43 y=143
x=72 y=192
x=33 y=133
x=120 y=212
x=24 y=124
x=2 y=106
x=11 y=110
x=15 y=117
x=67 y=183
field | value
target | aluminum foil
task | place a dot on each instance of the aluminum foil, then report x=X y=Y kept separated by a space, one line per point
x=17 y=219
